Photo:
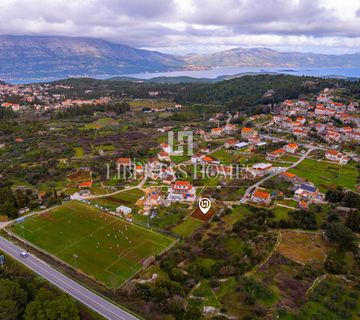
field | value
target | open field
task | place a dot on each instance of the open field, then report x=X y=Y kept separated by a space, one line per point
x=127 y=198
x=327 y=175
x=139 y=104
x=303 y=247
x=108 y=248
x=187 y=227
x=100 y=123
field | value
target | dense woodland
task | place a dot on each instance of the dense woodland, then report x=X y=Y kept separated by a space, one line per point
x=26 y=296
x=243 y=91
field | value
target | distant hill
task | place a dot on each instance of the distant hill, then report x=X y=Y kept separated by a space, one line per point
x=53 y=56
x=183 y=79
x=264 y=57
x=46 y=57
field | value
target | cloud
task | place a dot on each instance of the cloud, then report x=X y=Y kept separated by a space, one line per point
x=191 y=25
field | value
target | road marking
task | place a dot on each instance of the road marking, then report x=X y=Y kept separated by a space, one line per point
x=48 y=275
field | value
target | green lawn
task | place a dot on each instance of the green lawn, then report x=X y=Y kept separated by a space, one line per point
x=100 y=123
x=168 y=216
x=225 y=156
x=127 y=198
x=109 y=249
x=281 y=213
x=105 y=147
x=79 y=152
x=187 y=227
x=327 y=175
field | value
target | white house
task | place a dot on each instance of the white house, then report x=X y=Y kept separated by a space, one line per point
x=124 y=210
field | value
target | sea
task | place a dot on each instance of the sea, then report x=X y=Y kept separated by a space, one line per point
x=350 y=72
x=335 y=72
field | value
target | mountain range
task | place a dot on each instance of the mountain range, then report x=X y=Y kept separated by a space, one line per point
x=265 y=57
x=56 y=56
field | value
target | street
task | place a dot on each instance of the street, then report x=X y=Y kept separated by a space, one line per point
x=77 y=291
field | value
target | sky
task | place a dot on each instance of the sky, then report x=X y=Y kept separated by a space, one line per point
x=193 y=26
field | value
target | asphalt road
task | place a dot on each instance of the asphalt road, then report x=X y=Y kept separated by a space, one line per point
x=259 y=183
x=80 y=293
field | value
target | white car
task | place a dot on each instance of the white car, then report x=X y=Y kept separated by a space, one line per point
x=24 y=254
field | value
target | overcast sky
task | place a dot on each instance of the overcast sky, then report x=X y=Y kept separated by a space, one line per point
x=183 y=26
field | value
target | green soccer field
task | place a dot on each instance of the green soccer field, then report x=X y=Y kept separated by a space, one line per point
x=107 y=248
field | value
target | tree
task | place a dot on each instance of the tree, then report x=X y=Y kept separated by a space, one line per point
x=193 y=313
x=8 y=208
x=14 y=296
x=341 y=235
x=47 y=306
x=353 y=221
x=352 y=200
x=9 y=310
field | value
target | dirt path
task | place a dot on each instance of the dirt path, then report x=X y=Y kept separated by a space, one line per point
x=256 y=268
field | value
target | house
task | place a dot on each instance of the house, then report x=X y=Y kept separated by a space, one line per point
x=139 y=169
x=163 y=156
x=24 y=210
x=41 y=195
x=205 y=150
x=291 y=147
x=209 y=160
x=306 y=192
x=254 y=139
x=154 y=164
x=167 y=175
x=261 y=169
x=261 y=197
x=230 y=143
x=165 y=147
x=303 y=205
x=248 y=132
x=124 y=210
x=124 y=162
x=275 y=154
x=152 y=199
x=288 y=176
x=320 y=128
x=181 y=191
x=241 y=145
x=230 y=128
x=86 y=184
x=353 y=136
x=301 y=120
x=346 y=130
x=195 y=158
x=333 y=135
x=289 y=103
x=216 y=132
x=333 y=155
x=299 y=133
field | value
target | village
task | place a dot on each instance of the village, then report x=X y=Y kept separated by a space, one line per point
x=273 y=178
x=302 y=131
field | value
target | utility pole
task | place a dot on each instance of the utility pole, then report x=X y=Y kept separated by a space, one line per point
x=75 y=260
